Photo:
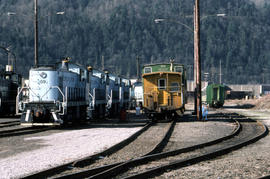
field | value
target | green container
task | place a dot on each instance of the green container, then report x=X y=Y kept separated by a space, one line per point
x=215 y=95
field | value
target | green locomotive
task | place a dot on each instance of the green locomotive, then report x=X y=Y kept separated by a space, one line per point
x=215 y=95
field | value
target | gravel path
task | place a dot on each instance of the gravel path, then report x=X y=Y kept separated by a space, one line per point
x=42 y=152
x=252 y=161
x=144 y=144
x=186 y=134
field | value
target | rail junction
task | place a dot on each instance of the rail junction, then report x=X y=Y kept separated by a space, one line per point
x=140 y=156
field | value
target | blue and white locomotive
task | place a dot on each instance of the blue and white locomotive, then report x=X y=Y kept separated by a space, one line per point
x=56 y=95
x=98 y=102
x=69 y=92
x=112 y=94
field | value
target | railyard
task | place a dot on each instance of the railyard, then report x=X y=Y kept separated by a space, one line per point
x=29 y=154
x=82 y=109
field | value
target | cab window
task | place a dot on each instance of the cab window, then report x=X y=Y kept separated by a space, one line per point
x=174 y=87
x=161 y=84
x=147 y=70
x=178 y=69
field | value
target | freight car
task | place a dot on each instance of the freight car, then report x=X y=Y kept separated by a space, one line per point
x=57 y=94
x=9 y=83
x=164 y=90
x=215 y=95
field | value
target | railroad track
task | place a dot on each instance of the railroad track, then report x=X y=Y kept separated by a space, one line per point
x=109 y=171
x=9 y=124
x=20 y=130
x=128 y=148
x=156 y=165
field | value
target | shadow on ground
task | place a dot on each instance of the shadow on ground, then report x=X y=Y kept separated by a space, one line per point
x=243 y=106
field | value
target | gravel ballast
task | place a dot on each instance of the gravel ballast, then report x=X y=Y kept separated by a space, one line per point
x=60 y=148
x=252 y=161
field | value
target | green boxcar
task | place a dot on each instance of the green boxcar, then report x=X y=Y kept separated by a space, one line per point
x=215 y=95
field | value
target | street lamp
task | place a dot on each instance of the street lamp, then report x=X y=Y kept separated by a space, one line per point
x=214 y=15
x=36 y=27
x=11 y=13
x=197 y=63
x=60 y=13
x=10 y=63
x=36 y=30
x=172 y=20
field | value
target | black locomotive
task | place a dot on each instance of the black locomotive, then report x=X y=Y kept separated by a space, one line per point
x=9 y=83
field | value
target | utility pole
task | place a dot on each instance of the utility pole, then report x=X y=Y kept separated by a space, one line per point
x=138 y=68
x=220 y=74
x=195 y=62
x=36 y=33
x=198 y=62
x=102 y=62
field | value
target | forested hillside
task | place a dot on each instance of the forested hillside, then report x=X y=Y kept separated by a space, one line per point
x=121 y=30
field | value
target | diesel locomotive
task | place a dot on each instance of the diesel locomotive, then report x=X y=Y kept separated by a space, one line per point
x=97 y=93
x=9 y=83
x=69 y=93
x=56 y=94
x=164 y=90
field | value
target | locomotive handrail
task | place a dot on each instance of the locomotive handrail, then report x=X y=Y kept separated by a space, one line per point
x=53 y=87
x=64 y=99
x=21 y=89
x=93 y=96
x=18 y=96
x=109 y=103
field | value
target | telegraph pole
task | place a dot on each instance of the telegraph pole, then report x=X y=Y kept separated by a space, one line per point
x=102 y=63
x=36 y=33
x=220 y=74
x=198 y=62
x=195 y=63
x=138 y=68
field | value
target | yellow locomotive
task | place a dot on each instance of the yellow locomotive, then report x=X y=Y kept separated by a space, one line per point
x=164 y=90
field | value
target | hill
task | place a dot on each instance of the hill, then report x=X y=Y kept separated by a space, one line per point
x=121 y=30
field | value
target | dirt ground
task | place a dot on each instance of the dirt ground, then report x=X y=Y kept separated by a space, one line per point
x=262 y=103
